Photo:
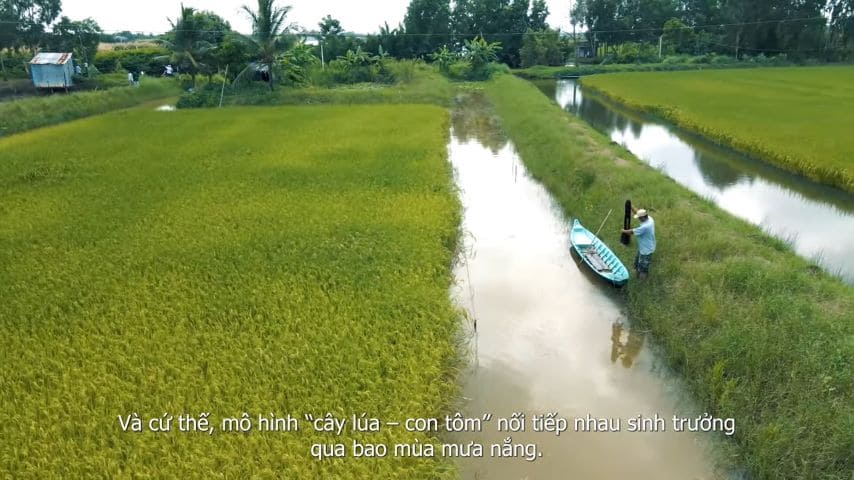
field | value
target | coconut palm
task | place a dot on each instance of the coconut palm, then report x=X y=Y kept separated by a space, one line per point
x=268 y=38
x=187 y=46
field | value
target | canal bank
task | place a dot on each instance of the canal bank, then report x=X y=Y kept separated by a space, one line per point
x=757 y=332
x=798 y=119
x=817 y=220
x=550 y=338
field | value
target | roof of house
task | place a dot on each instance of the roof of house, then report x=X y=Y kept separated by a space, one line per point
x=46 y=58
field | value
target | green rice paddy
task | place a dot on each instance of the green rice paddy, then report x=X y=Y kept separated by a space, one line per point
x=288 y=260
x=796 y=118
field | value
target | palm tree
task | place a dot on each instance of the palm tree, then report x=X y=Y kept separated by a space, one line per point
x=268 y=40
x=188 y=48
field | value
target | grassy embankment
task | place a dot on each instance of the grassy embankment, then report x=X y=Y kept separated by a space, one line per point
x=542 y=72
x=26 y=114
x=759 y=334
x=796 y=118
x=416 y=84
x=265 y=260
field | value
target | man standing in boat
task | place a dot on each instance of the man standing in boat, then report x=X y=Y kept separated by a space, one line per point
x=645 y=233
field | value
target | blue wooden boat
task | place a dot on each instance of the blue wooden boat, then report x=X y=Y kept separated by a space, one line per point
x=597 y=255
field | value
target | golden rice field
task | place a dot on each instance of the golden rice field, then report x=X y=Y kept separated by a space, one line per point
x=291 y=260
x=797 y=118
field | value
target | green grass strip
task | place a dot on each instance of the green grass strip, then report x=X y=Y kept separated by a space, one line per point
x=426 y=86
x=288 y=260
x=542 y=72
x=796 y=118
x=34 y=112
x=759 y=334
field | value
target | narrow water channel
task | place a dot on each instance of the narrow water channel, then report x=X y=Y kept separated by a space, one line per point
x=818 y=221
x=549 y=337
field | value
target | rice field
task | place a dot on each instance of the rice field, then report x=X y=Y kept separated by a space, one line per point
x=288 y=260
x=796 y=118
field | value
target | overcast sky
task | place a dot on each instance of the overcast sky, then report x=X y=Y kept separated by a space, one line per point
x=356 y=16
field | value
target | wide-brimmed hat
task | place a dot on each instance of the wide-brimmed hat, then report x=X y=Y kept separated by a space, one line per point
x=641 y=213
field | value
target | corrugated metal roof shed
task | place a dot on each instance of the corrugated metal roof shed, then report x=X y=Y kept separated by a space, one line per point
x=52 y=70
x=47 y=58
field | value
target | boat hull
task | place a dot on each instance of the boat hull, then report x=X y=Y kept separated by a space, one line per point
x=598 y=257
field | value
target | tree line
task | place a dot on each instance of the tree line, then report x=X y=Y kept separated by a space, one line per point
x=32 y=25
x=798 y=28
x=201 y=42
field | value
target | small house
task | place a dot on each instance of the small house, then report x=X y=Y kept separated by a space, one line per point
x=584 y=50
x=52 y=70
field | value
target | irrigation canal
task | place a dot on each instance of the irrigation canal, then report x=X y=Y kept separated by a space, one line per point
x=818 y=221
x=549 y=337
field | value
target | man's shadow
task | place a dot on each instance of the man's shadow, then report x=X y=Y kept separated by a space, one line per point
x=625 y=345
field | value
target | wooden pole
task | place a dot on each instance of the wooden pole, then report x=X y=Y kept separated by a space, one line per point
x=224 y=79
x=603 y=222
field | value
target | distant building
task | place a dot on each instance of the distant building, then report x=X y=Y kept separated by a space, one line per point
x=52 y=70
x=584 y=50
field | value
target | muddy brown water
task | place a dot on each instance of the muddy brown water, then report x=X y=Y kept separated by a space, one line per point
x=817 y=221
x=550 y=338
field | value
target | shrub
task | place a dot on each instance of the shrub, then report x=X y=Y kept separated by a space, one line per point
x=404 y=71
x=676 y=59
x=444 y=58
x=321 y=77
x=102 y=81
x=357 y=67
x=16 y=64
x=297 y=64
x=631 y=52
x=722 y=59
x=459 y=70
x=702 y=59
x=481 y=54
x=144 y=59
x=206 y=96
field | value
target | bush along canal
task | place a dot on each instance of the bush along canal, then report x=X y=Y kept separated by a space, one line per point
x=818 y=221
x=550 y=341
x=759 y=334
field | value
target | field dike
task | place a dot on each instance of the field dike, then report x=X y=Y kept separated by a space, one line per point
x=542 y=72
x=760 y=335
x=828 y=175
x=35 y=112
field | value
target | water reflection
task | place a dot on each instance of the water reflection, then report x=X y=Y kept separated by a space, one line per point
x=818 y=220
x=625 y=347
x=473 y=119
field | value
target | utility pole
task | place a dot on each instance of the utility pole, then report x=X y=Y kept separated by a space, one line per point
x=322 y=61
x=574 y=38
x=660 y=37
x=224 y=79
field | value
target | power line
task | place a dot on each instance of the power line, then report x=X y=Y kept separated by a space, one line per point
x=461 y=34
x=763 y=50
